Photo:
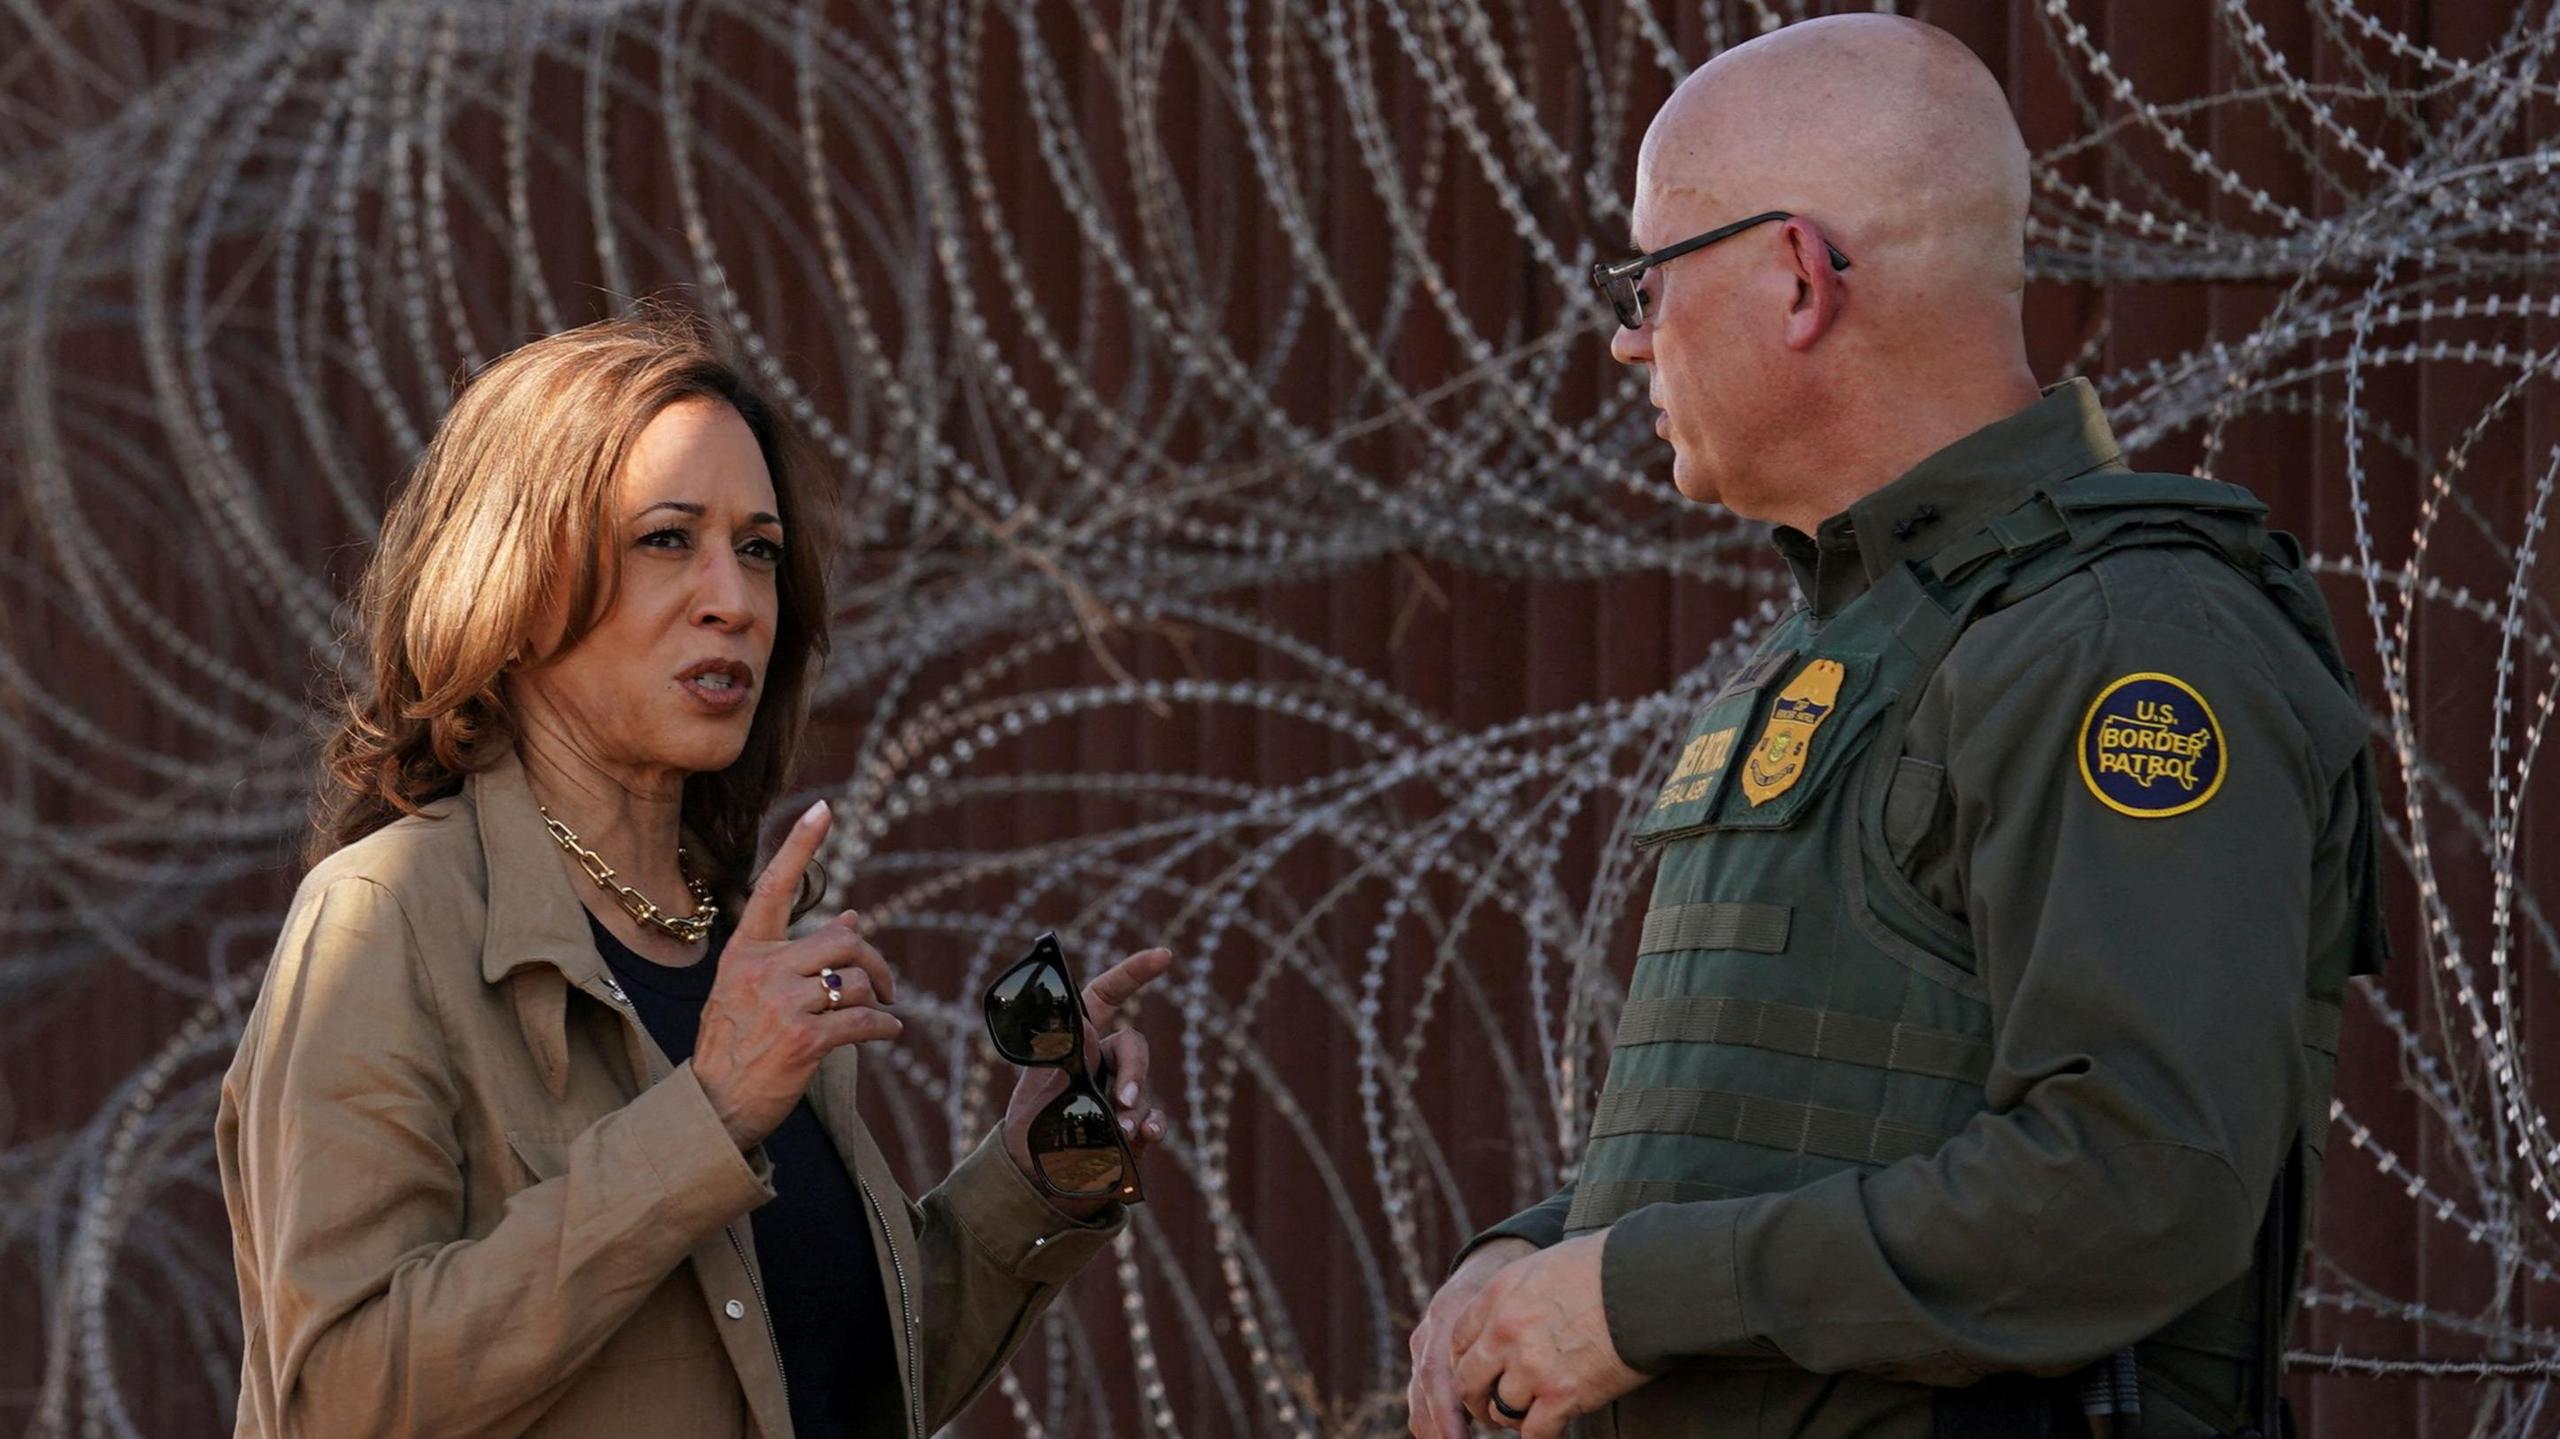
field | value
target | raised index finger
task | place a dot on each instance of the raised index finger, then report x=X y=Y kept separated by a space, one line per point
x=768 y=912
x=1116 y=986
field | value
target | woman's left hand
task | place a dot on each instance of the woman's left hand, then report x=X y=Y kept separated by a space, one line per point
x=1141 y=1123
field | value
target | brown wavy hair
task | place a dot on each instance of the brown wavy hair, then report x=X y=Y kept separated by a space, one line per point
x=477 y=547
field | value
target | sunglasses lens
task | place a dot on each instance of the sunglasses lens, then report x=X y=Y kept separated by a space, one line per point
x=1031 y=1011
x=1076 y=1143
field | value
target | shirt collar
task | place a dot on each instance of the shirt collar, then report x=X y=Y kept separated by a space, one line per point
x=1951 y=494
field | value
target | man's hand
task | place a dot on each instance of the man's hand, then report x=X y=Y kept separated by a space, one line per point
x=1431 y=1399
x=1539 y=1332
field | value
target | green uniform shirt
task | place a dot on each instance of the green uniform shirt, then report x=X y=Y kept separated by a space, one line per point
x=2146 y=980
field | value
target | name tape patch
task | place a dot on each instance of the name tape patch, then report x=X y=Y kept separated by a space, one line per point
x=2150 y=747
x=1700 y=765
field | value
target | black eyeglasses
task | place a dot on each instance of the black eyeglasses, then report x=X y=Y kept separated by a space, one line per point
x=1035 y=1014
x=1617 y=280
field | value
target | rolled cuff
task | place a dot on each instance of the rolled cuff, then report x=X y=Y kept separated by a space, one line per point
x=1670 y=1284
x=1533 y=1227
x=1541 y=1225
x=703 y=1179
x=1019 y=1229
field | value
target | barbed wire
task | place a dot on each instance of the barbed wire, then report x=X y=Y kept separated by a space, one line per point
x=1114 y=320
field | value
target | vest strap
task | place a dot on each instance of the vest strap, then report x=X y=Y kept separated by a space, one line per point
x=1722 y=924
x=1770 y=1123
x=2044 y=518
x=1812 y=1033
x=2028 y=528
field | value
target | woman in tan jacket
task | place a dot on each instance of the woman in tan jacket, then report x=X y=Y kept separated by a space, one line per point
x=543 y=1123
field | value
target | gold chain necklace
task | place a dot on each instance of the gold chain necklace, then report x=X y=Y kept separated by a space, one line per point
x=691 y=928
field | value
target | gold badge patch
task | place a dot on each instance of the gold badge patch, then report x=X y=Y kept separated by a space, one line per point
x=1777 y=760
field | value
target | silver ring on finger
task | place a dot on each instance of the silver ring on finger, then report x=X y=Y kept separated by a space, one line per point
x=835 y=986
x=1505 y=1410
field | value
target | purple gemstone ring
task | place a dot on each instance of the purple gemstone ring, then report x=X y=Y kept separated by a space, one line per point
x=835 y=986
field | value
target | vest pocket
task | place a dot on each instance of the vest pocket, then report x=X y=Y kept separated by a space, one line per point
x=1776 y=751
x=1708 y=755
x=1910 y=804
x=1791 y=764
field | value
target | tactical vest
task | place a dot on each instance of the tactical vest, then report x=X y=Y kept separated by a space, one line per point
x=1734 y=1075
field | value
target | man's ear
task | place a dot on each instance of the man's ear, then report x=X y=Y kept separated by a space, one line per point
x=1819 y=293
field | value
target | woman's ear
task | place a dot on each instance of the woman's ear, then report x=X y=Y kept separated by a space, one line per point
x=1819 y=292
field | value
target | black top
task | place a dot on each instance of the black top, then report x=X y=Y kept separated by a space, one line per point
x=813 y=1238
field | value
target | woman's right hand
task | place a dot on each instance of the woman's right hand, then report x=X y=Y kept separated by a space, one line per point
x=767 y=1022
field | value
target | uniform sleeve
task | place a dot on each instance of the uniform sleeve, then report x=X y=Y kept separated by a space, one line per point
x=368 y=1311
x=2145 y=972
x=1541 y=1224
x=994 y=1254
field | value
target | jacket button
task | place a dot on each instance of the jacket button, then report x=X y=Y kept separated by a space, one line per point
x=734 y=1309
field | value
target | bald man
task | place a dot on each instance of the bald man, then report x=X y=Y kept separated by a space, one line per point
x=1979 y=1043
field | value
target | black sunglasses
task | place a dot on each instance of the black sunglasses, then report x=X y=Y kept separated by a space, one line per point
x=1035 y=1014
x=1617 y=280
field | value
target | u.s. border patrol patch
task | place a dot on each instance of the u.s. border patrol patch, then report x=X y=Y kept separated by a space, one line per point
x=2150 y=747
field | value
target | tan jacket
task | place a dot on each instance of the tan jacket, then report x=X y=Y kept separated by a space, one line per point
x=469 y=1196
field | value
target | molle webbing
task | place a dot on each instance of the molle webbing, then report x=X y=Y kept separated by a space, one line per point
x=1812 y=1033
x=1608 y=1201
x=1780 y=1124
x=1777 y=1124
x=1756 y=928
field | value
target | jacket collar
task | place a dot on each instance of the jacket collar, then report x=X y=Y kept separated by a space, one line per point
x=534 y=914
x=1951 y=494
x=536 y=939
